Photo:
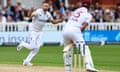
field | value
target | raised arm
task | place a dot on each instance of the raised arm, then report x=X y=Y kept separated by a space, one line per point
x=33 y=14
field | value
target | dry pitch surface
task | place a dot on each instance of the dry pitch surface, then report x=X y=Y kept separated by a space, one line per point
x=19 y=68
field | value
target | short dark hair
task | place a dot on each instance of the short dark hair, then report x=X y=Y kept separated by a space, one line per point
x=44 y=2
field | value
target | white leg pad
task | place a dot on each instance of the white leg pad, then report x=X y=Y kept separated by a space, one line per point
x=68 y=61
x=88 y=57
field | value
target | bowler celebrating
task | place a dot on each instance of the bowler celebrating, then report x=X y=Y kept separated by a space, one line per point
x=39 y=18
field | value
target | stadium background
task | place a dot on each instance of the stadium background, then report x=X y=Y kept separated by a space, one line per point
x=103 y=34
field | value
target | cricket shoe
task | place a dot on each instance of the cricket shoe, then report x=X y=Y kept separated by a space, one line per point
x=91 y=69
x=27 y=64
x=19 y=47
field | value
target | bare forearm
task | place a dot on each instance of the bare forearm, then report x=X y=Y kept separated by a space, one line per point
x=82 y=29
x=55 y=21
x=84 y=26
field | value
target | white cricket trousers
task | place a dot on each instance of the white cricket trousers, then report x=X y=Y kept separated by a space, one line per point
x=35 y=39
x=72 y=34
x=33 y=45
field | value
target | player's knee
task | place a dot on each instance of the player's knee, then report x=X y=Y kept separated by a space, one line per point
x=32 y=45
x=67 y=59
x=35 y=50
x=67 y=54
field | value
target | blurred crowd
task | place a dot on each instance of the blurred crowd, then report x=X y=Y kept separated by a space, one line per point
x=18 y=12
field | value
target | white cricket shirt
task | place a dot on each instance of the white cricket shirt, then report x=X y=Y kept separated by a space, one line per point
x=39 y=20
x=77 y=18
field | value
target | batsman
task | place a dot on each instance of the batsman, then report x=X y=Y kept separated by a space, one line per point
x=72 y=33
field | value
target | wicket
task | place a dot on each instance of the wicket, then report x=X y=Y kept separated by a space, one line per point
x=78 y=60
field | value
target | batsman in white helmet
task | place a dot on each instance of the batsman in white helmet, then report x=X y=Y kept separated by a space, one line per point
x=72 y=34
x=39 y=18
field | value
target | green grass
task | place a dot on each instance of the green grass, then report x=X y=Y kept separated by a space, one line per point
x=48 y=55
x=105 y=57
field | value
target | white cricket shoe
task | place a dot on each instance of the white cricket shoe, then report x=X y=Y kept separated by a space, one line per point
x=91 y=69
x=25 y=63
x=19 y=47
